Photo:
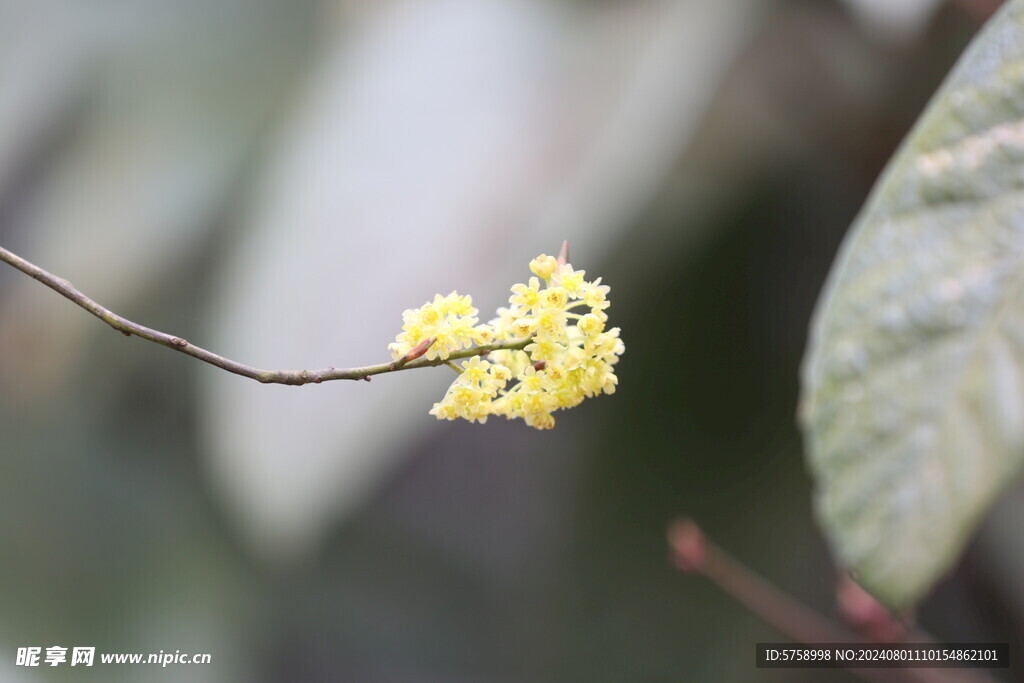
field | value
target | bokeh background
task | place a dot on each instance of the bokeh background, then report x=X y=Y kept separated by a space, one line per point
x=277 y=181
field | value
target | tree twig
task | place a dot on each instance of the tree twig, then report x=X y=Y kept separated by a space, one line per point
x=693 y=552
x=289 y=377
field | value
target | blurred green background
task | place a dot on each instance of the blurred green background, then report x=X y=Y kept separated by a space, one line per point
x=276 y=181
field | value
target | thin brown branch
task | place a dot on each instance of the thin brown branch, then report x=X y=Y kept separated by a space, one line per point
x=289 y=377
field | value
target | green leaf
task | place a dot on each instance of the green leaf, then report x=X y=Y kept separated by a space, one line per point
x=913 y=386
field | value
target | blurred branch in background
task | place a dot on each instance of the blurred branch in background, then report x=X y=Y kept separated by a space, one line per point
x=979 y=10
x=693 y=553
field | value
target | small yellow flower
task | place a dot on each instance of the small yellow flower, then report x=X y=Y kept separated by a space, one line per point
x=526 y=297
x=554 y=298
x=545 y=350
x=571 y=280
x=541 y=421
x=606 y=346
x=530 y=380
x=502 y=324
x=550 y=324
x=483 y=335
x=500 y=373
x=523 y=327
x=556 y=373
x=475 y=370
x=543 y=266
x=590 y=324
x=595 y=294
x=574 y=358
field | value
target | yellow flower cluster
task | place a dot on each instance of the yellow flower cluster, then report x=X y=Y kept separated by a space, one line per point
x=449 y=320
x=569 y=357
